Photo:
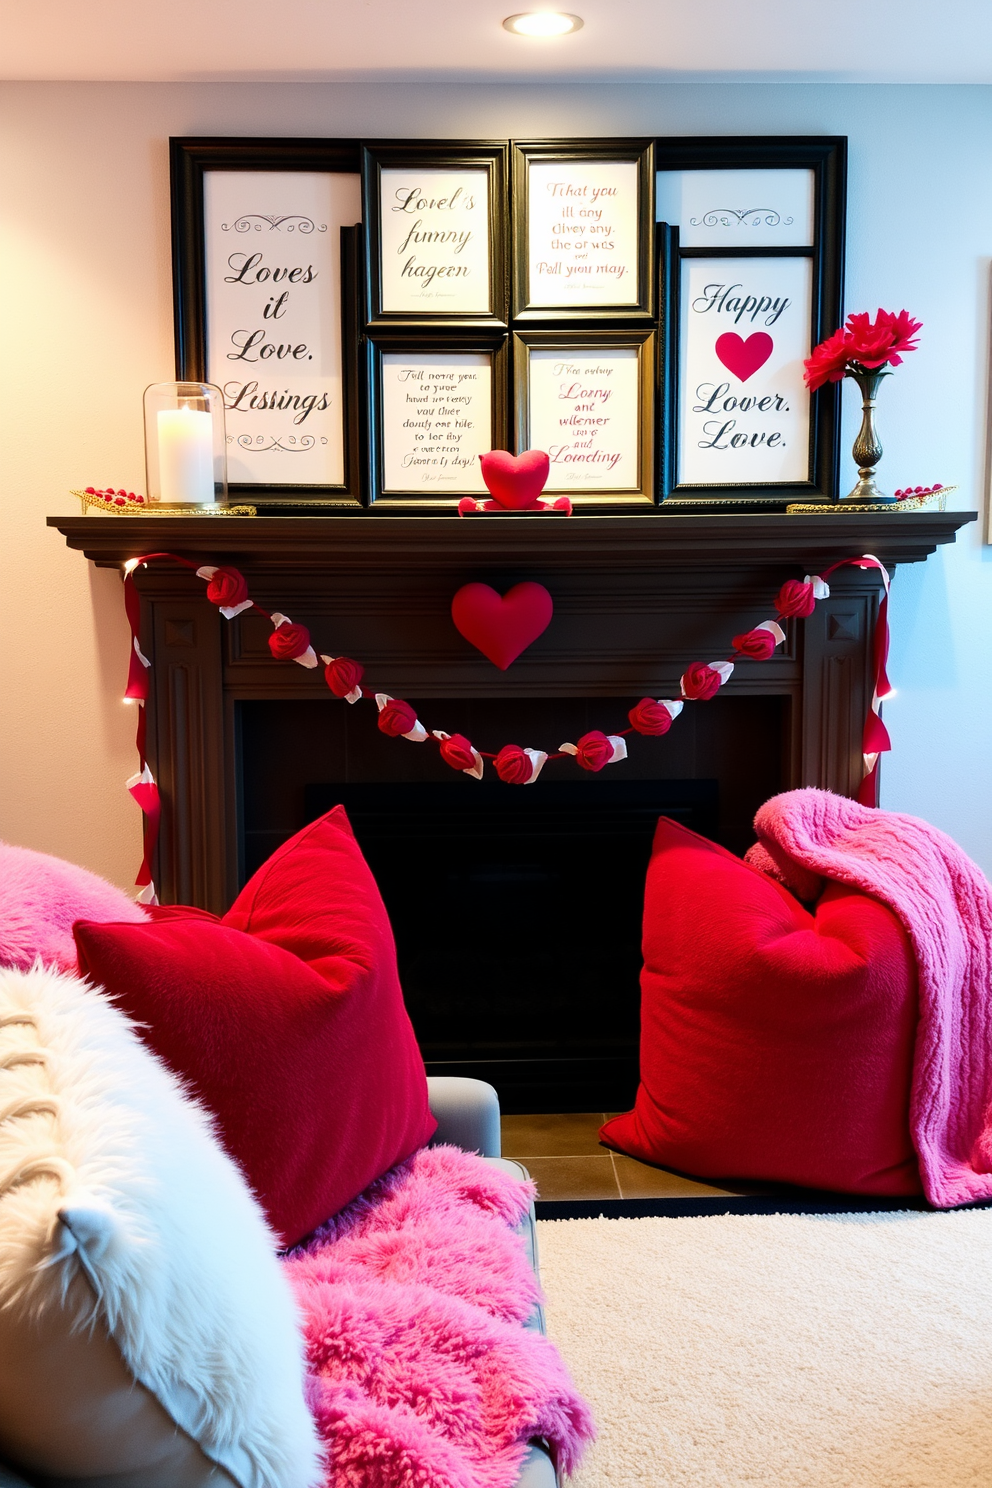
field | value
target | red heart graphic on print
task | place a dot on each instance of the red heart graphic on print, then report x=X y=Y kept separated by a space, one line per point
x=515 y=481
x=502 y=625
x=743 y=358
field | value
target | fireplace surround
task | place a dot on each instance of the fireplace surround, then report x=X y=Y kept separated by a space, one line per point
x=246 y=749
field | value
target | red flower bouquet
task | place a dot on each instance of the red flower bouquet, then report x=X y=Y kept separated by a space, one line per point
x=862 y=345
x=865 y=350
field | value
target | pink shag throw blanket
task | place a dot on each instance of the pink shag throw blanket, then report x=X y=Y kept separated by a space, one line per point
x=945 y=903
x=413 y=1300
x=41 y=896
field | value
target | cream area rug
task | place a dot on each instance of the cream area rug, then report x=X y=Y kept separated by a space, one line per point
x=781 y=1351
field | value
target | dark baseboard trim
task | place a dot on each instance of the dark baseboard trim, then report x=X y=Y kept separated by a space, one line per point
x=733 y=1204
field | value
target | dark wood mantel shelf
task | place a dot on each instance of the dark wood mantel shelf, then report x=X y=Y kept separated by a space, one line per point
x=635 y=599
x=553 y=543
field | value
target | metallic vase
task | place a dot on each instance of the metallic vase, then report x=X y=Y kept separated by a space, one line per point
x=867 y=450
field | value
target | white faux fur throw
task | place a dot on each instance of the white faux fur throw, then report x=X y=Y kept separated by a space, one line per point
x=106 y=1164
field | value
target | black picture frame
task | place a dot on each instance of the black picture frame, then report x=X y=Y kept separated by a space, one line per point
x=376 y=345
x=190 y=159
x=510 y=311
x=491 y=156
x=826 y=157
x=644 y=339
x=605 y=151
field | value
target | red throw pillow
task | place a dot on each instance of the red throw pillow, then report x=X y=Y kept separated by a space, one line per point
x=286 y=1018
x=776 y=1044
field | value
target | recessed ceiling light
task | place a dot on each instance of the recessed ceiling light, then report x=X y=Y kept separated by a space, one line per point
x=543 y=23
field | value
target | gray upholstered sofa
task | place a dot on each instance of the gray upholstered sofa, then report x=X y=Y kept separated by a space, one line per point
x=467 y=1113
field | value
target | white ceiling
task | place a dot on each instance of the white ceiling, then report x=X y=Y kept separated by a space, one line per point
x=775 y=40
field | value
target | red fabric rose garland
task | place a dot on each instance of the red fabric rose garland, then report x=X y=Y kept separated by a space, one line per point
x=514 y=765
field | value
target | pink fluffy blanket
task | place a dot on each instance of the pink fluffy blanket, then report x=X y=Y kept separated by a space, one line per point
x=945 y=903
x=413 y=1300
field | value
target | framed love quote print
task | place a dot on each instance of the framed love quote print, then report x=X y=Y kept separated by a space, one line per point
x=434 y=409
x=265 y=294
x=274 y=322
x=588 y=401
x=436 y=227
x=584 y=241
x=744 y=409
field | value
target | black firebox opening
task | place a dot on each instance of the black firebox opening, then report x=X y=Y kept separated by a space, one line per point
x=517 y=910
x=517 y=917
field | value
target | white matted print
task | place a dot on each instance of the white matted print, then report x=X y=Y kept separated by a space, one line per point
x=436 y=421
x=738 y=208
x=272 y=241
x=582 y=229
x=584 y=410
x=434 y=241
x=745 y=328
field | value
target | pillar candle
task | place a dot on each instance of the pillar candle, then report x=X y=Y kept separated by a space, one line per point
x=185 y=456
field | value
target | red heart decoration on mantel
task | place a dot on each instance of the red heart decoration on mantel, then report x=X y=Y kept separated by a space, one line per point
x=502 y=625
x=743 y=358
x=515 y=481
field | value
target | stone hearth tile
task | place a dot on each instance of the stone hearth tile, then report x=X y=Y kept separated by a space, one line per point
x=574 y=1177
x=571 y=1134
x=639 y=1181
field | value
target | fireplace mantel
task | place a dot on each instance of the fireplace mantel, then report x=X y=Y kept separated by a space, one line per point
x=636 y=598
x=389 y=543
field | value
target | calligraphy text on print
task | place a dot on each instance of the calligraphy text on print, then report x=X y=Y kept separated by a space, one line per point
x=716 y=397
x=580 y=231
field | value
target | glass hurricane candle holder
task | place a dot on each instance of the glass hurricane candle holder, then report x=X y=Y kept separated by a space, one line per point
x=185 y=444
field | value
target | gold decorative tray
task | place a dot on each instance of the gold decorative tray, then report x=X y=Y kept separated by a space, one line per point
x=157 y=508
x=932 y=501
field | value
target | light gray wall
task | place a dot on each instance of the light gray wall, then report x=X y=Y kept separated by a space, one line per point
x=84 y=218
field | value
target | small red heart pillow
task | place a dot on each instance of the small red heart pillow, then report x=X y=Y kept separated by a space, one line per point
x=515 y=481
